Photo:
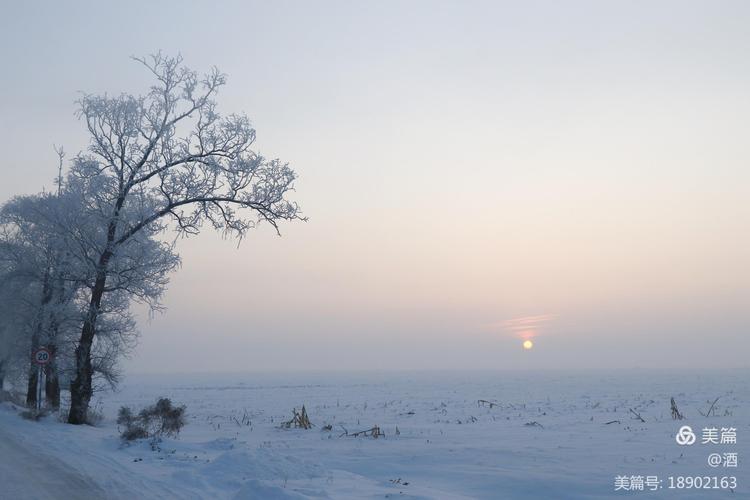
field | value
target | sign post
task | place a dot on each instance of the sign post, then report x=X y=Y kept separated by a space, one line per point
x=41 y=357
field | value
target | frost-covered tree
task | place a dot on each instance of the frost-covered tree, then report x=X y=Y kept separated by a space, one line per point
x=48 y=245
x=28 y=252
x=165 y=159
x=138 y=271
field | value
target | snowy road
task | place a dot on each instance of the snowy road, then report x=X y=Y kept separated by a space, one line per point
x=28 y=474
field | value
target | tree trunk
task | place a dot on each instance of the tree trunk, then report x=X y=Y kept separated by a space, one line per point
x=32 y=386
x=52 y=383
x=81 y=388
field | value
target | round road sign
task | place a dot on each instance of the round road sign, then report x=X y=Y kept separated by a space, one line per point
x=42 y=356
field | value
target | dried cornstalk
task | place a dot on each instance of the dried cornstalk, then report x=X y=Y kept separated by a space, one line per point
x=300 y=420
x=676 y=415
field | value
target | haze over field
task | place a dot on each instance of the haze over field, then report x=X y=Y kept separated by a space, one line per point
x=464 y=169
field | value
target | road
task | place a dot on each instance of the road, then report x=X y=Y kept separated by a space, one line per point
x=26 y=474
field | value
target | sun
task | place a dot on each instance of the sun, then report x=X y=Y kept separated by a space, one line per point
x=527 y=344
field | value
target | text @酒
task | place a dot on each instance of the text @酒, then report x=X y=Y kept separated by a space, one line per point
x=709 y=436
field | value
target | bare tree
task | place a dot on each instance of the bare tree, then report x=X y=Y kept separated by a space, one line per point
x=167 y=156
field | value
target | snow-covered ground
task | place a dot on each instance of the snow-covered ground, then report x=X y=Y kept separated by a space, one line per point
x=546 y=436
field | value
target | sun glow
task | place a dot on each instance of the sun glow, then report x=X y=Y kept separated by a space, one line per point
x=527 y=344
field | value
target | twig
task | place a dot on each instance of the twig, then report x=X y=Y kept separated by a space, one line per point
x=712 y=406
x=637 y=415
x=375 y=432
x=676 y=415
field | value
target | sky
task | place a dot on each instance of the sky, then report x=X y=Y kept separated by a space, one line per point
x=474 y=174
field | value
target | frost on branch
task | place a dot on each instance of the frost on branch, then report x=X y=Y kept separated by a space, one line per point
x=171 y=153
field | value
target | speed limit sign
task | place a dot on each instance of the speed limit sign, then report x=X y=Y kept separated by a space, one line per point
x=42 y=356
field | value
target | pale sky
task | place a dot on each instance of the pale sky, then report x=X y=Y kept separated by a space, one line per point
x=462 y=165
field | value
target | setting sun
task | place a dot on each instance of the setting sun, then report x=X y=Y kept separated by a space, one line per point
x=527 y=344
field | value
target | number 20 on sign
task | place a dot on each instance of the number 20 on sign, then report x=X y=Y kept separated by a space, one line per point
x=42 y=356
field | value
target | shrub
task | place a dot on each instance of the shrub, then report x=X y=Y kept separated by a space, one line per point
x=13 y=397
x=33 y=414
x=155 y=421
x=95 y=415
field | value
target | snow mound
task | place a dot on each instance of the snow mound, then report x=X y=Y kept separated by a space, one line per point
x=260 y=490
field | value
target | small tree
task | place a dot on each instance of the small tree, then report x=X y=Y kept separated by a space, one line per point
x=166 y=156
